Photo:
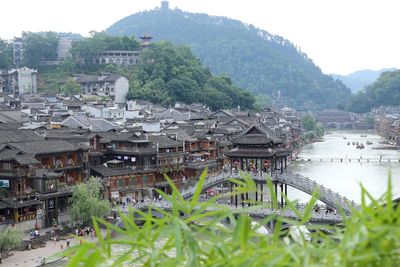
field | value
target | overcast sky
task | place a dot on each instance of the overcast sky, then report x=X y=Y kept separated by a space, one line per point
x=340 y=36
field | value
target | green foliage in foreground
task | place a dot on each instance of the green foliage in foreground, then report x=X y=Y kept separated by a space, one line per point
x=370 y=237
x=10 y=237
x=87 y=202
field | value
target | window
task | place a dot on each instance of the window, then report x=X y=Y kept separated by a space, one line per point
x=120 y=183
x=7 y=166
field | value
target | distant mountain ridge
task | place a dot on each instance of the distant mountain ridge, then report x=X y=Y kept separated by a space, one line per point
x=357 y=80
x=256 y=60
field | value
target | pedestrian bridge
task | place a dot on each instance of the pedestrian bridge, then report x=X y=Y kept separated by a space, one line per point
x=302 y=183
x=320 y=217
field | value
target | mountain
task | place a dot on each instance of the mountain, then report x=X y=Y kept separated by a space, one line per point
x=383 y=92
x=256 y=60
x=356 y=81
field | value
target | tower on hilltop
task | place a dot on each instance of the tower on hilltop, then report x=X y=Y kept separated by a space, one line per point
x=164 y=5
x=145 y=41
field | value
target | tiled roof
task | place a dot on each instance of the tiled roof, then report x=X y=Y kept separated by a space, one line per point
x=8 y=154
x=111 y=78
x=257 y=134
x=164 y=141
x=87 y=79
x=8 y=136
x=10 y=126
x=127 y=137
x=181 y=135
x=105 y=171
x=44 y=147
x=94 y=124
x=25 y=159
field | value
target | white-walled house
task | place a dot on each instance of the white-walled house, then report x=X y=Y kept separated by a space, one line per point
x=103 y=111
x=113 y=85
x=18 y=81
x=139 y=104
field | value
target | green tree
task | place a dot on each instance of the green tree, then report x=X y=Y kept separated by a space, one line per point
x=41 y=46
x=71 y=87
x=263 y=101
x=5 y=54
x=10 y=237
x=168 y=73
x=313 y=129
x=308 y=122
x=87 y=202
x=383 y=92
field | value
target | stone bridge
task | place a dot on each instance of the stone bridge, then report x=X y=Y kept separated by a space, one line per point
x=336 y=119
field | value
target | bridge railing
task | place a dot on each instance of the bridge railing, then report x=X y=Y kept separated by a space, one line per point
x=262 y=212
x=325 y=194
x=298 y=181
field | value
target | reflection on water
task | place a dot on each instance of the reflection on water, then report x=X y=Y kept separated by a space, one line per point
x=344 y=177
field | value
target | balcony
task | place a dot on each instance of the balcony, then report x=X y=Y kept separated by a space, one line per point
x=13 y=172
x=152 y=167
x=201 y=164
x=133 y=151
x=22 y=194
x=170 y=154
x=73 y=165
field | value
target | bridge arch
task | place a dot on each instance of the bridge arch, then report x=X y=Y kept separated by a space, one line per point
x=333 y=125
x=348 y=126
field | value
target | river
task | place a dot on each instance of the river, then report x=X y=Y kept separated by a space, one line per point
x=322 y=163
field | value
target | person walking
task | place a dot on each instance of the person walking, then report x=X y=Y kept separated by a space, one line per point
x=68 y=241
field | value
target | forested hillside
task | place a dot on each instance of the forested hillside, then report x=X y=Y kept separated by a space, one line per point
x=356 y=81
x=255 y=60
x=167 y=74
x=384 y=92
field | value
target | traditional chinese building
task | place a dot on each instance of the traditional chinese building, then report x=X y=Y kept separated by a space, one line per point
x=258 y=150
x=40 y=172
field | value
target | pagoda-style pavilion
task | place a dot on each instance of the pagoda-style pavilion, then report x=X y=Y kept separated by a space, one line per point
x=259 y=151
